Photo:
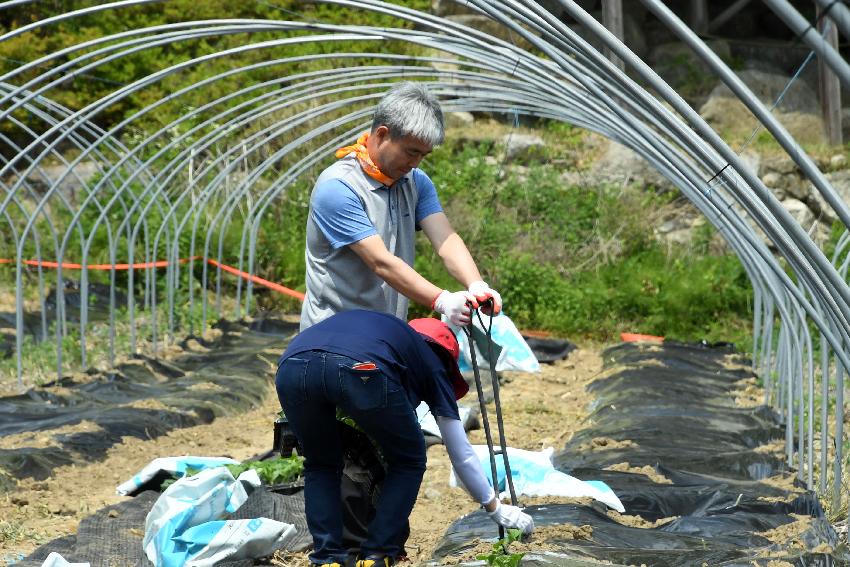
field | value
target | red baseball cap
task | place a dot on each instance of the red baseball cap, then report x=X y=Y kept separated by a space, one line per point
x=436 y=332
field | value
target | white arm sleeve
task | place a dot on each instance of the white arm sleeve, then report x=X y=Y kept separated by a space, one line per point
x=463 y=459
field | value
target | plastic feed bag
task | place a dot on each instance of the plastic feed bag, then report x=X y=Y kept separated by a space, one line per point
x=185 y=525
x=515 y=353
x=175 y=465
x=533 y=475
x=56 y=560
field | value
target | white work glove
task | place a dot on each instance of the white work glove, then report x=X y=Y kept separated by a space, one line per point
x=482 y=293
x=509 y=516
x=455 y=306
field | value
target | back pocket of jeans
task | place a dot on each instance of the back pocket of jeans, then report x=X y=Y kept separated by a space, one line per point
x=365 y=389
x=291 y=381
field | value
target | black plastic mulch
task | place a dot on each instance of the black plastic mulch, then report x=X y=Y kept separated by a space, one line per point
x=191 y=389
x=7 y=343
x=549 y=350
x=9 y=330
x=717 y=507
x=113 y=535
x=675 y=404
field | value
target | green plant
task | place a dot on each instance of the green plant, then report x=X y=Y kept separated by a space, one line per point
x=39 y=357
x=583 y=260
x=342 y=417
x=272 y=471
x=500 y=556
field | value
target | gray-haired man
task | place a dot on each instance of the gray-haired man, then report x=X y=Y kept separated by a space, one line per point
x=364 y=211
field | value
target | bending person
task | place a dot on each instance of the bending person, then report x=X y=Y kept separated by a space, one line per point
x=365 y=210
x=376 y=368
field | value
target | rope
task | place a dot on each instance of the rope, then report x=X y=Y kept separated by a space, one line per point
x=162 y=264
x=779 y=98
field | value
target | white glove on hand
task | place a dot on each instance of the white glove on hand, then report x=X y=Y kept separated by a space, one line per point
x=454 y=306
x=483 y=292
x=509 y=516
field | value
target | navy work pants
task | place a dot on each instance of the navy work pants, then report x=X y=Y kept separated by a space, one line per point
x=311 y=385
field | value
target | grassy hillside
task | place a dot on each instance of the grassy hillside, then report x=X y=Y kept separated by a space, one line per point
x=580 y=261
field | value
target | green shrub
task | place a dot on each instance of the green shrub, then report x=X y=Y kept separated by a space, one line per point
x=583 y=261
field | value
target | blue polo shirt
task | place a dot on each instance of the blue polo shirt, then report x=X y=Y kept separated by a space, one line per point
x=399 y=352
x=340 y=215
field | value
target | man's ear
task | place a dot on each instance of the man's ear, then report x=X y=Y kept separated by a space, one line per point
x=381 y=133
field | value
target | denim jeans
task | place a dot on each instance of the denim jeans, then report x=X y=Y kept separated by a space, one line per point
x=310 y=386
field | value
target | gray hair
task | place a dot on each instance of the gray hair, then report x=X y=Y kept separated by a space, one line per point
x=409 y=109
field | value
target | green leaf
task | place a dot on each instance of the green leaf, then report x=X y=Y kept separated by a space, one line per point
x=272 y=471
x=500 y=557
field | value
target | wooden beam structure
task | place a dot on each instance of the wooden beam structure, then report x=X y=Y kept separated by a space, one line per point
x=699 y=16
x=829 y=87
x=612 y=18
x=727 y=15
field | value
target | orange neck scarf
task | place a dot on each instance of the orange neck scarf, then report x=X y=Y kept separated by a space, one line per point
x=369 y=167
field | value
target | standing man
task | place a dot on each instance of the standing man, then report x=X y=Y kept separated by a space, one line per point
x=364 y=213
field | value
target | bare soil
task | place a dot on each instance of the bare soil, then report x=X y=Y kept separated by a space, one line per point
x=791 y=535
x=645 y=470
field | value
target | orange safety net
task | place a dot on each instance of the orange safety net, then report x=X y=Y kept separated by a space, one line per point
x=637 y=337
x=162 y=264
